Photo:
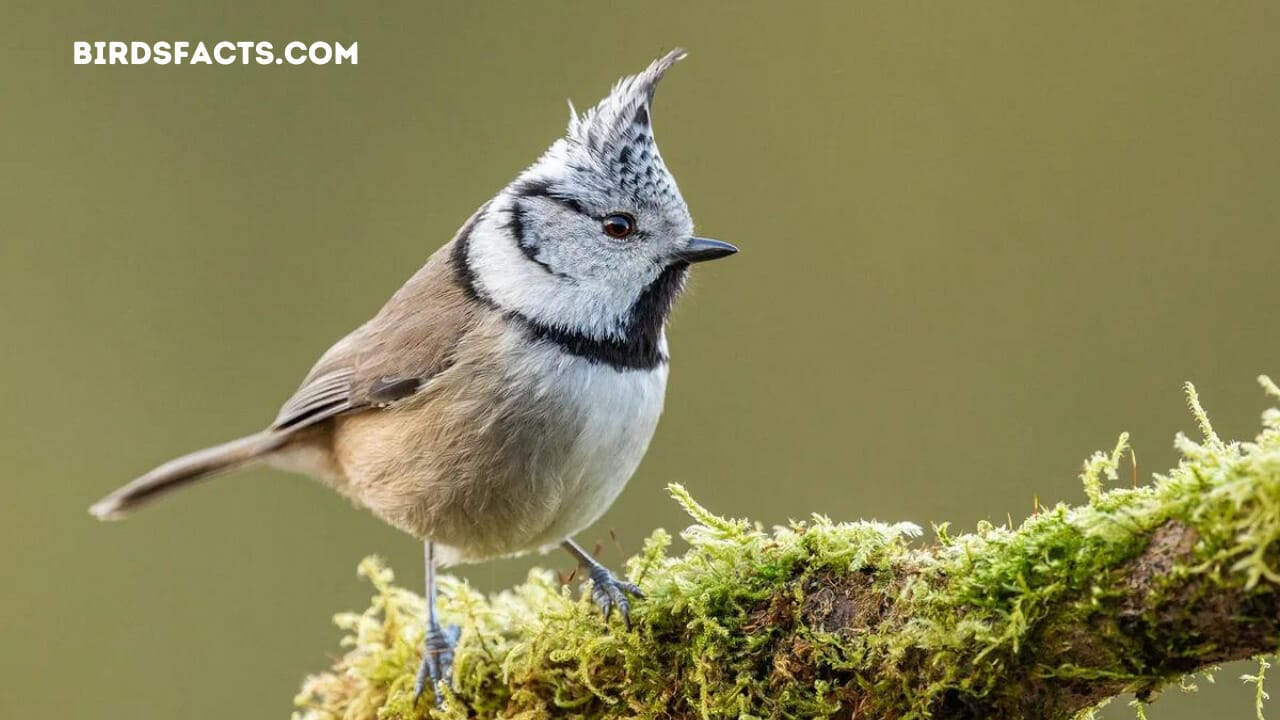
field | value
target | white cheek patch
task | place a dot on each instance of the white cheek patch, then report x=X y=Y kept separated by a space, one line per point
x=505 y=275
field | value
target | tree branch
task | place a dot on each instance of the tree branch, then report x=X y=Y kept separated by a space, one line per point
x=1127 y=593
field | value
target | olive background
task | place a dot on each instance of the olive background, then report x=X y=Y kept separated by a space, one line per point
x=979 y=240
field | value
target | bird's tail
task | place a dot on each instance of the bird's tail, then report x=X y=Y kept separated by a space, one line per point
x=183 y=471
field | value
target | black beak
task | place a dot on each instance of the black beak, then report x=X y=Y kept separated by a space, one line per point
x=703 y=249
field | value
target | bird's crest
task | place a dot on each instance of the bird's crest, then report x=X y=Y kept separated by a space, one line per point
x=616 y=135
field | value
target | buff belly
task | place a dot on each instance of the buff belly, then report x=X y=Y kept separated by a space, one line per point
x=488 y=463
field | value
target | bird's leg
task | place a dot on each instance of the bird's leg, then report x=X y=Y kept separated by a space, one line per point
x=437 y=655
x=607 y=590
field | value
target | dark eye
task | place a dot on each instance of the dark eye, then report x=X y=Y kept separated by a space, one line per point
x=619 y=225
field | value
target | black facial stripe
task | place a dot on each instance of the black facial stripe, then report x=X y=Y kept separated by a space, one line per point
x=534 y=187
x=637 y=349
x=572 y=204
x=542 y=188
x=461 y=261
x=516 y=225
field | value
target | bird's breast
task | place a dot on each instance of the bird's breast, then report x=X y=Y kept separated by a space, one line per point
x=614 y=416
x=515 y=447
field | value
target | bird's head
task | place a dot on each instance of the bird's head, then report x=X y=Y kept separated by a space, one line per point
x=596 y=225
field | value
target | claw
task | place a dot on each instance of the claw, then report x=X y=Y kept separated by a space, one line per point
x=608 y=592
x=437 y=660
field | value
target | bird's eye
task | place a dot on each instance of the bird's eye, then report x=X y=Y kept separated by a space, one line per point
x=619 y=225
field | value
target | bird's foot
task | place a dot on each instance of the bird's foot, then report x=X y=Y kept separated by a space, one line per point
x=608 y=592
x=437 y=659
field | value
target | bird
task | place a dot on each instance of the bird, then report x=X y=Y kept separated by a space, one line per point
x=499 y=402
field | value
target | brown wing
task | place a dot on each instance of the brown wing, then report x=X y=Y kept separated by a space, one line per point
x=319 y=399
x=412 y=339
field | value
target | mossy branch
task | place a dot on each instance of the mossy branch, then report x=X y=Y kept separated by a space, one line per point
x=1128 y=593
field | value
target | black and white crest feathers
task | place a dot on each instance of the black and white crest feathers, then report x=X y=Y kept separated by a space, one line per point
x=617 y=135
x=624 y=111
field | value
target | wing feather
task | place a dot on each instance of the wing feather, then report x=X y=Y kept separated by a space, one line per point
x=394 y=355
x=316 y=401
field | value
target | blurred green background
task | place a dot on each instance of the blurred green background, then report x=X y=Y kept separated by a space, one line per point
x=979 y=240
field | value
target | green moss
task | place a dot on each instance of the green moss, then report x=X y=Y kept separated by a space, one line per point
x=1259 y=681
x=796 y=620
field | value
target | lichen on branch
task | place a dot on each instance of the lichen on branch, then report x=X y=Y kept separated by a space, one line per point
x=1129 y=592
